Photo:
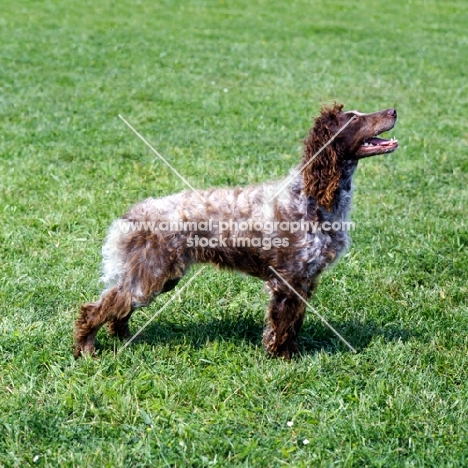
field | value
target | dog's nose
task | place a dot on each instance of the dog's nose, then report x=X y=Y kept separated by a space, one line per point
x=392 y=112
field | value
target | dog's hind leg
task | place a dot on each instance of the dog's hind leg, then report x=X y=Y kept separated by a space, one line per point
x=137 y=266
x=119 y=326
x=113 y=303
x=116 y=306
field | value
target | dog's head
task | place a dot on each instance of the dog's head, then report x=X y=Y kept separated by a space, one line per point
x=337 y=137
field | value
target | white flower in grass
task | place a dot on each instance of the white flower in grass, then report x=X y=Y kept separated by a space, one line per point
x=305 y=441
x=290 y=423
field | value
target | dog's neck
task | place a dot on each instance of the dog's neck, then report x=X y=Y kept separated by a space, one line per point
x=343 y=195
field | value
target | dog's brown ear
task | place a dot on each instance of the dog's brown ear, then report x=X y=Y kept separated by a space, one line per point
x=322 y=173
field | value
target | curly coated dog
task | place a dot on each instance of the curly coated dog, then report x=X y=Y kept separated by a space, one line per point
x=297 y=227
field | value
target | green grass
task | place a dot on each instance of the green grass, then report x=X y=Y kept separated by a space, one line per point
x=225 y=90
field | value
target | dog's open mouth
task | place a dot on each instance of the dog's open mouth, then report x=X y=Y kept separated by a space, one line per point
x=373 y=146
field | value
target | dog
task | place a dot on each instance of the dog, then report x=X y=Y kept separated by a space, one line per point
x=152 y=246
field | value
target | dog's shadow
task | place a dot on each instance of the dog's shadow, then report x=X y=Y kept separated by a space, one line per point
x=314 y=337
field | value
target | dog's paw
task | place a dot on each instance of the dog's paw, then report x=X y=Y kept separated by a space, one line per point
x=285 y=350
x=82 y=350
x=269 y=341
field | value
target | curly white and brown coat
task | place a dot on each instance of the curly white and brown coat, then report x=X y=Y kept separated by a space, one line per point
x=140 y=263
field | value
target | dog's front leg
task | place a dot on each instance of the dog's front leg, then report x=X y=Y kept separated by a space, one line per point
x=285 y=316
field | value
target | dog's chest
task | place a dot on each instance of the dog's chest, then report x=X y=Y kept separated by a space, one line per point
x=321 y=249
x=327 y=239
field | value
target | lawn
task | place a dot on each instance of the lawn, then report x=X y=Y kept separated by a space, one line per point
x=226 y=91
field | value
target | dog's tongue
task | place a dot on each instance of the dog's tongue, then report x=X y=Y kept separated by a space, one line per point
x=377 y=141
